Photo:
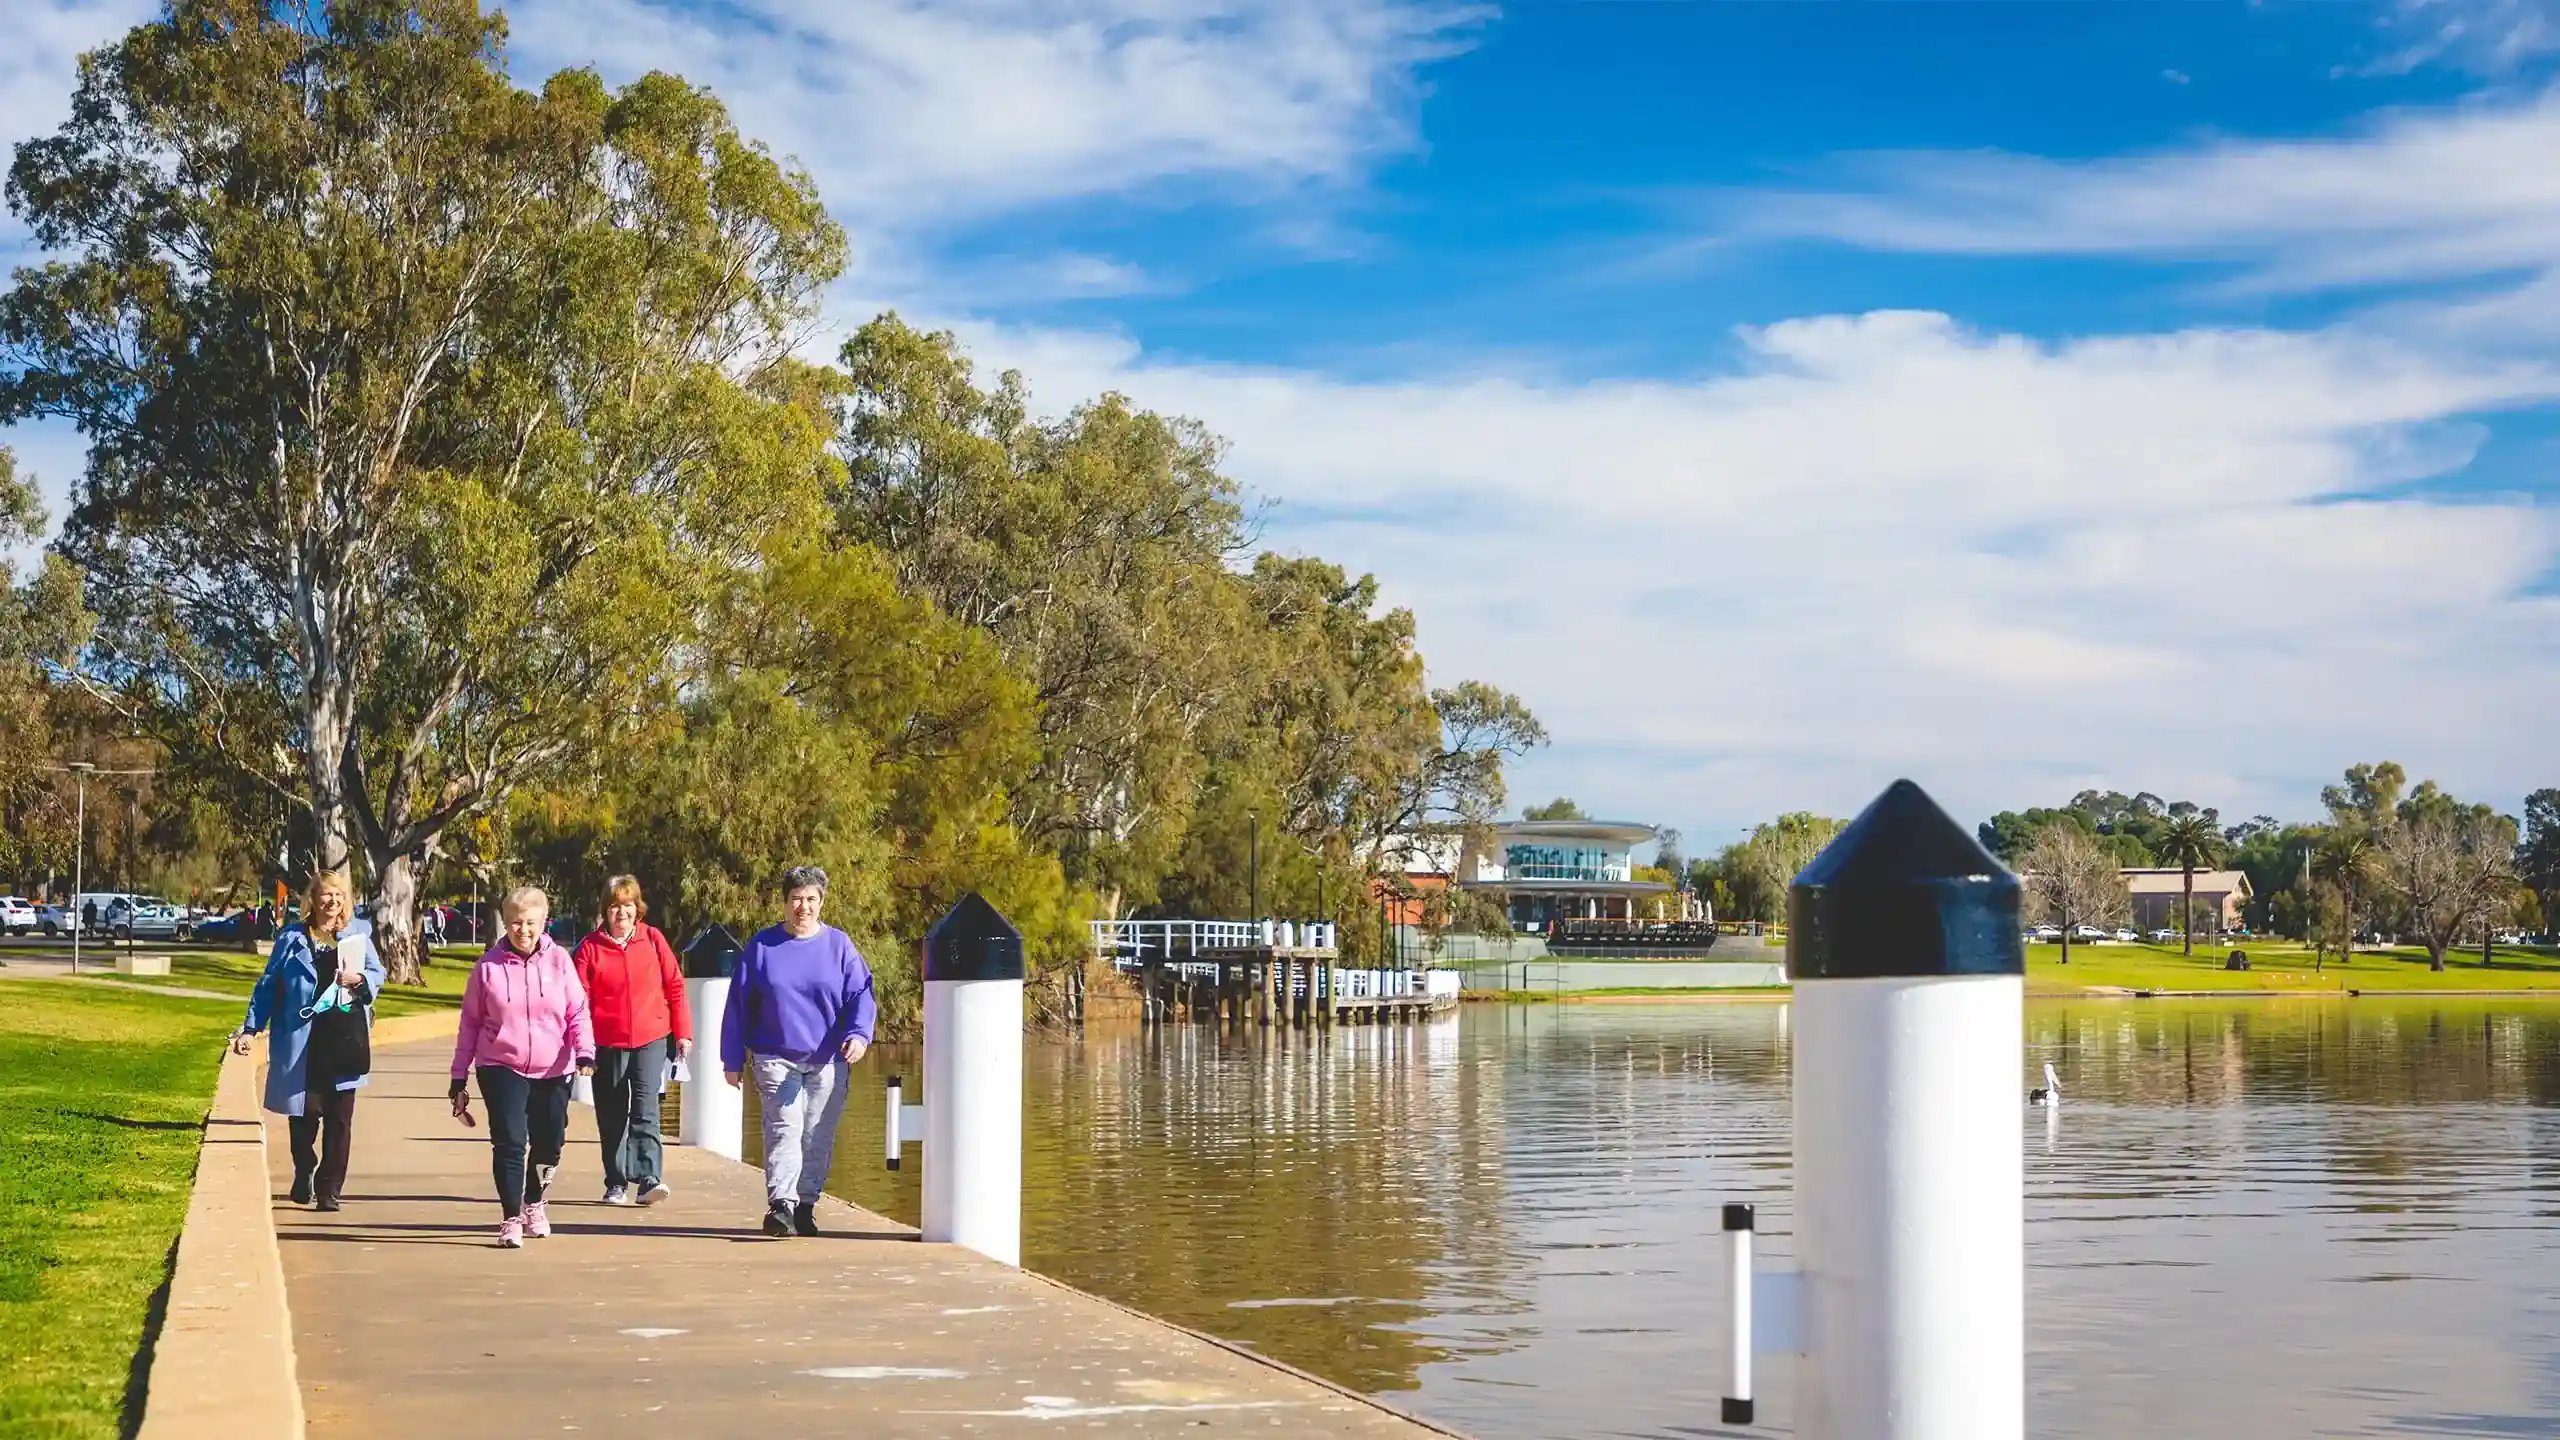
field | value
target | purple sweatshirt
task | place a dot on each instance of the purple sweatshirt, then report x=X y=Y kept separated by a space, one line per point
x=796 y=1000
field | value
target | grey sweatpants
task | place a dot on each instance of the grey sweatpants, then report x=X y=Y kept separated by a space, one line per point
x=801 y=1106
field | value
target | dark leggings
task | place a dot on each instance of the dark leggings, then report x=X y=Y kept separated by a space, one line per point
x=321 y=1135
x=523 y=1112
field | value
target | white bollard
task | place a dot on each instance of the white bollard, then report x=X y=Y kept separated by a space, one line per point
x=1739 y=1222
x=973 y=1081
x=714 y=1110
x=1909 y=1178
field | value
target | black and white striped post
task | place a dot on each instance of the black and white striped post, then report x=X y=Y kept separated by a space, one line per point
x=973 y=1081
x=1909 y=978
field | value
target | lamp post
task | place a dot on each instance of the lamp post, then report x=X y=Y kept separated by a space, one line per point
x=81 y=770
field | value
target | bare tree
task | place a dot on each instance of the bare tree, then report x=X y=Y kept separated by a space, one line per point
x=2072 y=879
x=2452 y=865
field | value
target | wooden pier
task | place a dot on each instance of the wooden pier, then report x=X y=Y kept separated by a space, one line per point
x=1219 y=972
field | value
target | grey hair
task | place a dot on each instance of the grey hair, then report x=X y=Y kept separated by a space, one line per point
x=523 y=898
x=801 y=877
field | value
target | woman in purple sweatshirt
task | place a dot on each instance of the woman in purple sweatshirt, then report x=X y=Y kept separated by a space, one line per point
x=801 y=1005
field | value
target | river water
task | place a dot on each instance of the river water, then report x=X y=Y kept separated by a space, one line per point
x=2251 y=1218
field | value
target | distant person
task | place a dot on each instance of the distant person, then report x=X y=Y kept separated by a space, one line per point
x=88 y=914
x=432 y=926
x=801 y=1005
x=524 y=1032
x=315 y=1001
x=635 y=992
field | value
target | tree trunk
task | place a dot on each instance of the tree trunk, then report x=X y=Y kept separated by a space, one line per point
x=395 y=918
x=2187 y=908
x=2435 y=955
x=2066 y=943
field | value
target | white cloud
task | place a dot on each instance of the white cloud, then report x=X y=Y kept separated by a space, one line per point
x=910 y=113
x=1891 y=545
x=2466 y=194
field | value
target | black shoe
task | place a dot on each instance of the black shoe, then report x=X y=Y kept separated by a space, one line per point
x=325 y=1202
x=300 y=1194
x=804 y=1218
x=777 y=1220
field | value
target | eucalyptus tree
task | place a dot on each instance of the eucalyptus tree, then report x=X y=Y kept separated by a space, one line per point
x=2451 y=865
x=2071 y=879
x=1095 y=549
x=424 y=410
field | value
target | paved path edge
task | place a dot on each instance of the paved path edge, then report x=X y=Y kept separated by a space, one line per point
x=1247 y=1352
x=223 y=1364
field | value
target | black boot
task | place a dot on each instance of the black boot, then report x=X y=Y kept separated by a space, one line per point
x=804 y=1218
x=300 y=1194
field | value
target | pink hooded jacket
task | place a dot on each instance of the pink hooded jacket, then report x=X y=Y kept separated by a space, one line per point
x=526 y=1015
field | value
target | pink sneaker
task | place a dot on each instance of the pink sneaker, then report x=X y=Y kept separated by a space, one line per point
x=537 y=1219
x=511 y=1234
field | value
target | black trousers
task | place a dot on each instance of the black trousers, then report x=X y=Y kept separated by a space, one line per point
x=321 y=1135
x=525 y=1114
x=627 y=1110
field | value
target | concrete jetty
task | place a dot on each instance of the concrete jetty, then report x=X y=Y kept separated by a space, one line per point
x=683 y=1320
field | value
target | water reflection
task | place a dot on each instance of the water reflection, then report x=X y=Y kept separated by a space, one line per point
x=2249 y=1218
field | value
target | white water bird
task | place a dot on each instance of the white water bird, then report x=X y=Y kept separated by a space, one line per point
x=2049 y=1094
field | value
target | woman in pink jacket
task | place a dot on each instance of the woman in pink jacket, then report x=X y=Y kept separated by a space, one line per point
x=524 y=1031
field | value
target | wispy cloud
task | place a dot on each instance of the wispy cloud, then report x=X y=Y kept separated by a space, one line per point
x=1890 y=543
x=911 y=113
x=2465 y=195
x=2481 y=37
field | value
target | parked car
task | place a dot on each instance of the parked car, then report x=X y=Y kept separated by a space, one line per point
x=153 y=918
x=2046 y=934
x=219 y=927
x=2087 y=932
x=2506 y=939
x=17 y=915
x=53 y=920
x=2165 y=935
x=2125 y=934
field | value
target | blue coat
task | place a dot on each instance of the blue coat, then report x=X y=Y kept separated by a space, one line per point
x=286 y=989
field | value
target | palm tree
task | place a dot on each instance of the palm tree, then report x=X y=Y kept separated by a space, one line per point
x=2189 y=842
x=2346 y=857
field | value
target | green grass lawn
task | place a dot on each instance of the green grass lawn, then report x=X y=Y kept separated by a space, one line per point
x=235 y=972
x=103 y=1094
x=2282 y=965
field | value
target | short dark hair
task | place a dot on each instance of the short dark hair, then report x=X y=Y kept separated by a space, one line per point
x=801 y=877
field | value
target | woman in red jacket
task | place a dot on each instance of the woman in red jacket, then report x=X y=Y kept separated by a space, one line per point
x=635 y=991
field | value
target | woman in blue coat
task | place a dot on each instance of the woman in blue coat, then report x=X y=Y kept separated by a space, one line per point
x=315 y=1001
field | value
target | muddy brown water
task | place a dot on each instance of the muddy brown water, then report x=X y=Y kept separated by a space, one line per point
x=2249 y=1218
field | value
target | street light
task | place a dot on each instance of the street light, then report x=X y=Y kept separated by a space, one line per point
x=81 y=770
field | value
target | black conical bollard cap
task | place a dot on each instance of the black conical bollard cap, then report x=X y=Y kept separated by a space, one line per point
x=711 y=954
x=1904 y=891
x=973 y=942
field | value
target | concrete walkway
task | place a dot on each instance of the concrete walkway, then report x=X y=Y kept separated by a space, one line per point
x=683 y=1320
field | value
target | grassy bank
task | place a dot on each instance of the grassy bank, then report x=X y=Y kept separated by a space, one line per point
x=2282 y=966
x=103 y=1093
x=235 y=973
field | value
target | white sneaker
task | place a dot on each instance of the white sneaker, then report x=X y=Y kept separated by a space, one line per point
x=653 y=1191
x=511 y=1234
x=618 y=1195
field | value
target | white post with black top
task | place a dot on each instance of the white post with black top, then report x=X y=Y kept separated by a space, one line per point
x=973 y=1081
x=714 y=1111
x=1909 y=977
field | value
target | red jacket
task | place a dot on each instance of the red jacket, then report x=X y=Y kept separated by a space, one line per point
x=635 y=989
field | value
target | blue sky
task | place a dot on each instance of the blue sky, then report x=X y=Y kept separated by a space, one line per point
x=1781 y=397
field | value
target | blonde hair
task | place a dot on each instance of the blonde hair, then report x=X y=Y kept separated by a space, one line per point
x=522 y=898
x=326 y=880
x=621 y=888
